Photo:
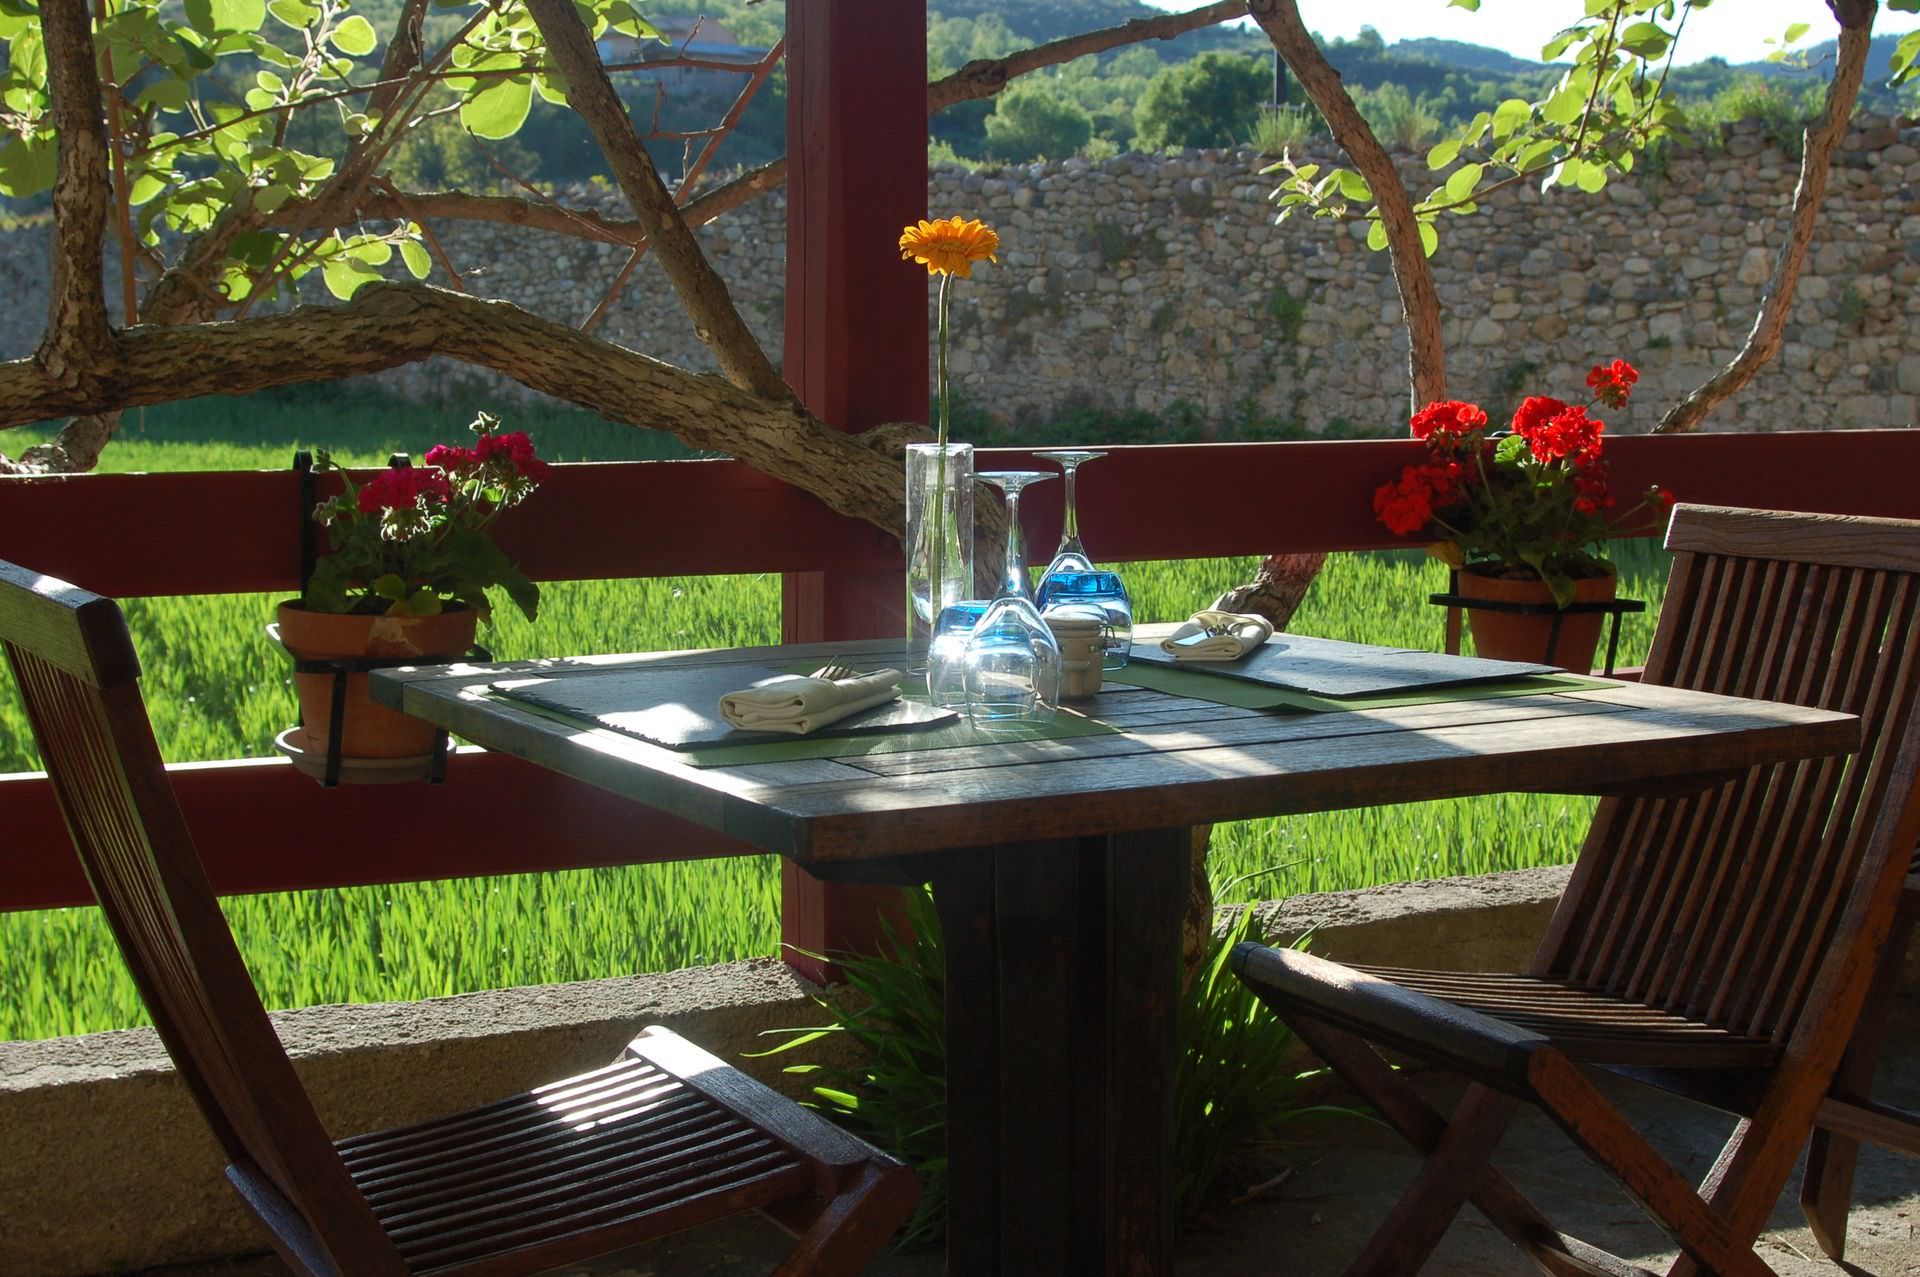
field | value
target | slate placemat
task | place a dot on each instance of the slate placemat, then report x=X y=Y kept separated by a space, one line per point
x=1198 y=682
x=1328 y=667
x=680 y=707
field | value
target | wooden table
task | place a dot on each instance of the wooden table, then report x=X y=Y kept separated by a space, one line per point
x=1060 y=871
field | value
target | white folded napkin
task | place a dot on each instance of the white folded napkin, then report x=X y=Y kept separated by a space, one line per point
x=1242 y=632
x=799 y=705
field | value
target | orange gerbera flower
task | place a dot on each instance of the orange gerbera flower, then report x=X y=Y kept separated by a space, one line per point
x=950 y=246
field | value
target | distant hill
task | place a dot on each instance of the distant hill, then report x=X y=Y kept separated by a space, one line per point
x=1040 y=20
x=1463 y=56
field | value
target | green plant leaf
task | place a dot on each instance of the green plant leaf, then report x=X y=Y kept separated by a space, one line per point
x=1443 y=154
x=355 y=36
x=1645 y=39
x=1377 y=235
x=345 y=276
x=211 y=17
x=297 y=14
x=28 y=165
x=1353 y=186
x=1462 y=181
x=1429 y=238
x=146 y=186
x=170 y=93
x=498 y=109
x=419 y=262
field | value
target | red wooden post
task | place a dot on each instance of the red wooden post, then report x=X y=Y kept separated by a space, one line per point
x=856 y=324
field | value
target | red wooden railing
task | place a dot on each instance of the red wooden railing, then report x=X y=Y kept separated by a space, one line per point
x=263 y=827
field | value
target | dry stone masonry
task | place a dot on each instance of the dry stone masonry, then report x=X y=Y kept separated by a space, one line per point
x=1147 y=281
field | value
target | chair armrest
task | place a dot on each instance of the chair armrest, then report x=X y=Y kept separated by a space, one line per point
x=754 y=1102
x=1417 y=1024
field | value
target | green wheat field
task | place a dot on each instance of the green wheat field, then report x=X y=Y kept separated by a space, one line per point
x=218 y=688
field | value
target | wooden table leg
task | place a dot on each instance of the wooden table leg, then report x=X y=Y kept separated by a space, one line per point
x=1063 y=963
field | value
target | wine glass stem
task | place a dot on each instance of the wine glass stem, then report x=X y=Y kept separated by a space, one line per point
x=1070 y=529
x=1016 y=553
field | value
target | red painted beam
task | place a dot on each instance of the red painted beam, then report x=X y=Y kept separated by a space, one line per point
x=1191 y=501
x=261 y=826
x=856 y=327
x=238 y=532
x=234 y=532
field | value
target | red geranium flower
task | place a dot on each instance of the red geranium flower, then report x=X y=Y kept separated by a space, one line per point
x=1448 y=417
x=1534 y=412
x=1571 y=435
x=1534 y=502
x=402 y=488
x=1612 y=383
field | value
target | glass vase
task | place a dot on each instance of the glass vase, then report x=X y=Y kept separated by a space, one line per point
x=939 y=541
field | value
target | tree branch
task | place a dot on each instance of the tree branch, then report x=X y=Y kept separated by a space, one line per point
x=702 y=292
x=1426 y=356
x=405 y=49
x=984 y=77
x=728 y=122
x=387 y=325
x=78 y=347
x=1816 y=158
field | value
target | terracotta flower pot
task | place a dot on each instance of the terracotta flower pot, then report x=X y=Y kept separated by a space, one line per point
x=368 y=730
x=1518 y=636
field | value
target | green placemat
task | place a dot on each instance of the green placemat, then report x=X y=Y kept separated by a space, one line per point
x=1204 y=686
x=1065 y=726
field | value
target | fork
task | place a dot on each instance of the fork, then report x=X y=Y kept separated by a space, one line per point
x=834 y=670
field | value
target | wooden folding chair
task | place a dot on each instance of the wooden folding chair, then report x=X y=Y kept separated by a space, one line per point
x=1850 y=1113
x=1719 y=944
x=663 y=1138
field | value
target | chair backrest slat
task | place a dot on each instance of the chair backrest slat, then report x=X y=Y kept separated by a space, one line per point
x=1722 y=905
x=74 y=662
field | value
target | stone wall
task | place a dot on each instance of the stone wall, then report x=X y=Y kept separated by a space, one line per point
x=1142 y=282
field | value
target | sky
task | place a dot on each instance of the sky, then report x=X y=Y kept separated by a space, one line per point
x=1736 y=30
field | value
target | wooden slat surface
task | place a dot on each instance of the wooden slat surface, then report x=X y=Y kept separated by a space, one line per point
x=1179 y=761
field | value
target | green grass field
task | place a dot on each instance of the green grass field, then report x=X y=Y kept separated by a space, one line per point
x=217 y=687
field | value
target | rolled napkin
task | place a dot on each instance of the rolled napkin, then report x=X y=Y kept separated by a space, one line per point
x=1212 y=635
x=799 y=705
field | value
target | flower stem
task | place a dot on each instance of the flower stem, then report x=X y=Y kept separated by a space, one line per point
x=937 y=568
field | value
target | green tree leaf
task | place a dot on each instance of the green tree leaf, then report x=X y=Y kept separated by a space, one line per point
x=355 y=36
x=345 y=276
x=1462 y=181
x=27 y=165
x=415 y=255
x=1429 y=238
x=497 y=110
x=1377 y=235
x=1443 y=154
x=1645 y=39
x=1353 y=186
x=297 y=14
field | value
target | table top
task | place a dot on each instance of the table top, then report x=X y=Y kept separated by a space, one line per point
x=1176 y=761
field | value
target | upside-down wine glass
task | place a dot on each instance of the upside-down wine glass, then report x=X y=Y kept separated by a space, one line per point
x=1072 y=579
x=1012 y=660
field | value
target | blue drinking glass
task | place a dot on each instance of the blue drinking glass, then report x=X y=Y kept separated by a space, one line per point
x=1099 y=590
x=1073 y=579
x=947 y=655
